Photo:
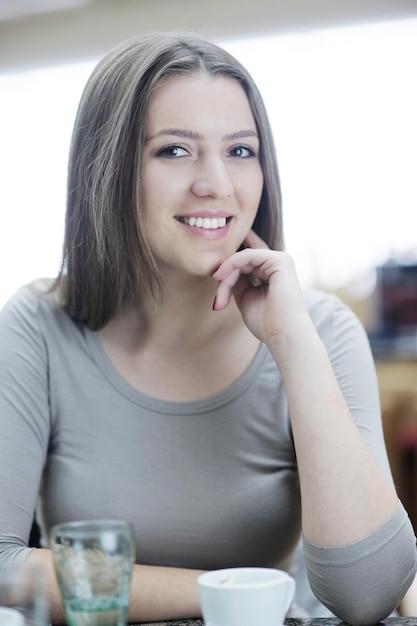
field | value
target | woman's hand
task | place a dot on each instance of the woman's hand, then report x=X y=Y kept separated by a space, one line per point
x=271 y=308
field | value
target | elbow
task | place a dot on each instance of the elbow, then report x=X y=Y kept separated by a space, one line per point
x=365 y=602
x=12 y=554
x=364 y=582
x=366 y=612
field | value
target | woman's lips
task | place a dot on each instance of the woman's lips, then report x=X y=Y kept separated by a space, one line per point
x=211 y=223
x=207 y=227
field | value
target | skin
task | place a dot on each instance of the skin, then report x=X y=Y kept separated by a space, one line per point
x=211 y=313
x=408 y=606
x=199 y=162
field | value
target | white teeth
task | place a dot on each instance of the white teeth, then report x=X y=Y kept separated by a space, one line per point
x=205 y=222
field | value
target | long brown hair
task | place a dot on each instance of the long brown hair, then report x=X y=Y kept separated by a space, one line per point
x=106 y=258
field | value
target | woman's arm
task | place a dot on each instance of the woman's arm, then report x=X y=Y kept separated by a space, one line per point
x=359 y=543
x=25 y=427
x=408 y=605
x=157 y=593
x=344 y=494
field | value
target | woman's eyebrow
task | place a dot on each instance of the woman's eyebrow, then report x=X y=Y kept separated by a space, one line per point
x=190 y=134
x=177 y=132
x=241 y=134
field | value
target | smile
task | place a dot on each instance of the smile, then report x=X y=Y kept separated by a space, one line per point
x=209 y=223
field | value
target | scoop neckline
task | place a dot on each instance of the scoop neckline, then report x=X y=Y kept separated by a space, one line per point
x=217 y=400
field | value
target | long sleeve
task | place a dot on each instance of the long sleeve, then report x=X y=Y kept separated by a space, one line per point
x=363 y=582
x=24 y=424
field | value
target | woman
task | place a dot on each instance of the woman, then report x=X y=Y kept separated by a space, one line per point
x=176 y=375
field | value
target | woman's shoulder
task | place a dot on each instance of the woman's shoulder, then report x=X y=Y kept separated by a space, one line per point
x=333 y=318
x=32 y=296
x=324 y=306
x=318 y=300
x=34 y=322
x=35 y=304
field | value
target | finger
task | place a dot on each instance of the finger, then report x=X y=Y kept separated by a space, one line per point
x=240 y=288
x=223 y=297
x=224 y=290
x=252 y=240
x=245 y=261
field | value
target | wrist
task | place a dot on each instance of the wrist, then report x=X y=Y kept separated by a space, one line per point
x=298 y=341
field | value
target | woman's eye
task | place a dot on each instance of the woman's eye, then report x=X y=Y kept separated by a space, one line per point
x=243 y=152
x=172 y=152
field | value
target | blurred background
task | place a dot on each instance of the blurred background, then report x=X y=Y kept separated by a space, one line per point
x=339 y=81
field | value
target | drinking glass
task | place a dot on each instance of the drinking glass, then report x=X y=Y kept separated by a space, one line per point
x=93 y=562
x=22 y=596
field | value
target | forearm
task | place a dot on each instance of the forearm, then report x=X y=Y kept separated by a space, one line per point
x=408 y=605
x=42 y=558
x=163 y=593
x=344 y=495
x=157 y=593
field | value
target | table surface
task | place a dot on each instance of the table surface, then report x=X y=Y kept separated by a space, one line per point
x=322 y=621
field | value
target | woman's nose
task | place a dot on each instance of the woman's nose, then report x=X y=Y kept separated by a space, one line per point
x=212 y=179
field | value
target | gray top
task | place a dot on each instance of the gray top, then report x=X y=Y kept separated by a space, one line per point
x=205 y=484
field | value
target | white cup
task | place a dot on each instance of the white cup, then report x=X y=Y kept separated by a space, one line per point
x=10 y=617
x=245 y=596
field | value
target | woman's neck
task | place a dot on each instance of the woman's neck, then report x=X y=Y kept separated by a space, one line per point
x=180 y=349
x=183 y=316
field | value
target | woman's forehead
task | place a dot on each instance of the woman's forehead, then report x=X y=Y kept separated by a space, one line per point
x=197 y=99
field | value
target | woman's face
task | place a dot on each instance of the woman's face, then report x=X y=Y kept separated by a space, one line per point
x=202 y=179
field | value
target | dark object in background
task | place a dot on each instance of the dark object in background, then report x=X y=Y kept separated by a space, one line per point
x=396 y=324
x=35 y=535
